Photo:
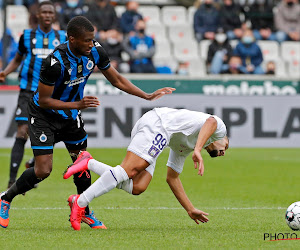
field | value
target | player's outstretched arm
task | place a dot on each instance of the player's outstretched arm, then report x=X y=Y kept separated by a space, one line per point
x=120 y=82
x=46 y=101
x=208 y=128
x=178 y=190
x=12 y=66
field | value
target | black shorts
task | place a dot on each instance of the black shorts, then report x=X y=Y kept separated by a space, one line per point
x=21 y=114
x=46 y=129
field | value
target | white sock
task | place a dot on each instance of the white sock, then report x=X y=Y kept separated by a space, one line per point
x=126 y=186
x=98 y=167
x=108 y=181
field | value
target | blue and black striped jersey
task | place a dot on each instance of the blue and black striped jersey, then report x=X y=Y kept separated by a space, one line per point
x=36 y=45
x=69 y=74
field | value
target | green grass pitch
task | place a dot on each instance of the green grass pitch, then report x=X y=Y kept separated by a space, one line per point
x=246 y=194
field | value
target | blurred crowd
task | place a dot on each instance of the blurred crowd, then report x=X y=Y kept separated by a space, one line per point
x=131 y=49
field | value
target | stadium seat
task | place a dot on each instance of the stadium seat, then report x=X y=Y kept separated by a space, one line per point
x=181 y=33
x=17 y=19
x=185 y=51
x=294 y=68
x=170 y=62
x=203 y=48
x=162 y=50
x=158 y=32
x=280 y=70
x=173 y=15
x=120 y=9
x=270 y=50
x=190 y=14
x=151 y=14
x=197 y=68
x=290 y=51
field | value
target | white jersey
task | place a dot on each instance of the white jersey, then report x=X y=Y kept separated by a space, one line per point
x=183 y=127
x=176 y=128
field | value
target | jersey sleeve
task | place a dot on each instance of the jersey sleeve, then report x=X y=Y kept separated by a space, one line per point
x=221 y=130
x=50 y=71
x=21 y=47
x=103 y=61
x=176 y=161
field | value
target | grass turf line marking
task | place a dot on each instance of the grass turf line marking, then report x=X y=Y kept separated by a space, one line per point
x=151 y=208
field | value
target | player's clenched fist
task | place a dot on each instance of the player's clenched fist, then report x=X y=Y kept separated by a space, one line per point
x=88 y=102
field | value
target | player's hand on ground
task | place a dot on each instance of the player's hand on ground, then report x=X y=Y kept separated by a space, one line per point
x=2 y=76
x=198 y=216
x=160 y=92
x=198 y=162
x=88 y=102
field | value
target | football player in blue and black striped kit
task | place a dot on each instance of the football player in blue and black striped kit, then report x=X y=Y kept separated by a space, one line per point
x=54 y=111
x=34 y=46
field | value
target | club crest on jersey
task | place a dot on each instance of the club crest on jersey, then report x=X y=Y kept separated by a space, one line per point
x=79 y=68
x=46 y=41
x=153 y=151
x=55 y=42
x=90 y=65
x=34 y=40
x=43 y=138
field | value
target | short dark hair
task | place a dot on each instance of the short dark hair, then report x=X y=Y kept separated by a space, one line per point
x=77 y=25
x=45 y=3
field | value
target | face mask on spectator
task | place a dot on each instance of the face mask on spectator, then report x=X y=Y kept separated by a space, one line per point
x=142 y=31
x=290 y=4
x=220 y=38
x=208 y=5
x=72 y=4
x=234 y=66
x=247 y=39
x=112 y=41
x=182 y=72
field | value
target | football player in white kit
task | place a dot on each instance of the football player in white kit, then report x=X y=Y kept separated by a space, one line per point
x=182 y=130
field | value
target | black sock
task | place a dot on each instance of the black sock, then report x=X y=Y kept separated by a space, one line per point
x=82 y=183
x=26 y=182
x=17 y=153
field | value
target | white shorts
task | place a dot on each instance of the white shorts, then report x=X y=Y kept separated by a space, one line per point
x=148 y=139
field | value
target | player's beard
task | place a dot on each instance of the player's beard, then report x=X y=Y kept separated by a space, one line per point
x=213 y=153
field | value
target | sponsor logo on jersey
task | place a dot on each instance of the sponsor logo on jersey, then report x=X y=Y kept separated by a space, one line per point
x=96 y=44
x=53 y=61
x=41 y=53
x=153 y=151
x=43 y=138
x=90 y=65
x=18 y=112
x=75 y=81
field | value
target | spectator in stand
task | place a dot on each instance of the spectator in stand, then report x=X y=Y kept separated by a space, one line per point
x=69 y=9
x=219 y=53
x=250 y=53
x=270 y=68
x=260 y=15
x=130 y=17
x=234 y=66
x=113 y=46
x=141 y=49
x=103 y=16
x=287 y=21
x=206 y=21
x=11 y=50
x=230 y=19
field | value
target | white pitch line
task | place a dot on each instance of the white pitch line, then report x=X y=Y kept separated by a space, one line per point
x=152 y=208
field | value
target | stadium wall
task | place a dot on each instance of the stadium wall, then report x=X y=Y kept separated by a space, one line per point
x=259 y=112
